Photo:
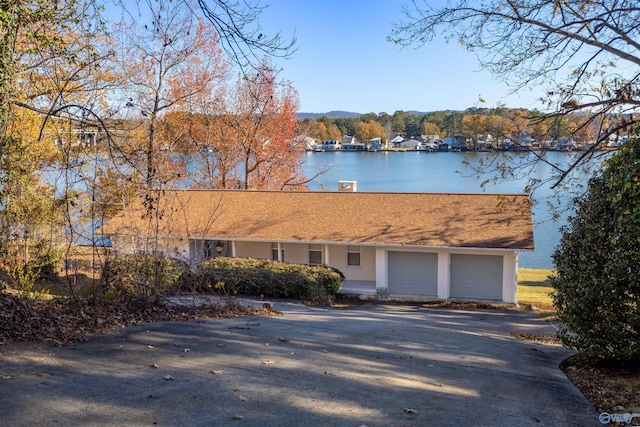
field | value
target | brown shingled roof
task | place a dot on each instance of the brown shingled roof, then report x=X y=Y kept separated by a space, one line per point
x=420 y=219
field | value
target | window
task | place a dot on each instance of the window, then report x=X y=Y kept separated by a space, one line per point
x=353 y=256
x=274 y=252
x=315 y=254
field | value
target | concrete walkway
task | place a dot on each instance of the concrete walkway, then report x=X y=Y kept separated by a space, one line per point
x=378 y=365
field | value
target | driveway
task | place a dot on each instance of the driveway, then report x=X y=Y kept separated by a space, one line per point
x=378 y=365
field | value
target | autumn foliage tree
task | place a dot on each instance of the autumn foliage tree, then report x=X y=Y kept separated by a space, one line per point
x=49 y=66
x=263 y=115
x=366 y=131
x=429 y=128
x=70 y=153
x=168 y=63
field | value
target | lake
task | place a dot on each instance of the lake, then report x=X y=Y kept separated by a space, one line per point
x=415 y=171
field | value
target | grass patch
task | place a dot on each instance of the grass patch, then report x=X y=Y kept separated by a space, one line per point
x=534 y=289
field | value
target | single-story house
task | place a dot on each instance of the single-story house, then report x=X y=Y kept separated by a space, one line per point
x=411 y=144
x=396 y=140
x=393 y=245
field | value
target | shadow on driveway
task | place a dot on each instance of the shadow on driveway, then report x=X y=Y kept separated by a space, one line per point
x=377 y=365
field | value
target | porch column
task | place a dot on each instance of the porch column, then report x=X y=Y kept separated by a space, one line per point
x=382 y=274
x=510 y=278
x=325 y=255
x=233 y=249
x=444 y=275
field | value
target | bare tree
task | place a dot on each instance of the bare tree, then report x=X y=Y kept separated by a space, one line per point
x=237 y=23
x=586 y=54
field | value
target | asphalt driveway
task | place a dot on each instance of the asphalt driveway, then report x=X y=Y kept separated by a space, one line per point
x=378 y=365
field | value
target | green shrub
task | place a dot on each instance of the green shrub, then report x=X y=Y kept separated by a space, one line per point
x=597 y=281
x=271 y=278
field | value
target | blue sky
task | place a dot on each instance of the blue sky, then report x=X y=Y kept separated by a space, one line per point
x=344 y=62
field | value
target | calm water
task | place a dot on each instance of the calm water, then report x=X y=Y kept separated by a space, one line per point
x=442 y=172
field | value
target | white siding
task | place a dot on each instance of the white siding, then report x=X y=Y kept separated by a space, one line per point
x=296 y=253
x=259 y=250
x=366 y=271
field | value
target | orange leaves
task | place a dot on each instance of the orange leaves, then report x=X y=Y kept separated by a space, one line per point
x=194 y=86
x=172 y=66
x=246 y=142
x=232 y=136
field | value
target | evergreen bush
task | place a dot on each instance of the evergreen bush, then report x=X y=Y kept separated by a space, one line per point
x=597 y=279
x=271 y=278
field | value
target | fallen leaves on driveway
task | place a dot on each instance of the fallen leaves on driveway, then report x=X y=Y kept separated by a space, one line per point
x=64 y=321
x=548 y=339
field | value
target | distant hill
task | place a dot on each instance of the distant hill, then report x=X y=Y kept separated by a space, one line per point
x=345 y=114
x=330 y=114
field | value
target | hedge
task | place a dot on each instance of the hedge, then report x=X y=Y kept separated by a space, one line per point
x=274 y=279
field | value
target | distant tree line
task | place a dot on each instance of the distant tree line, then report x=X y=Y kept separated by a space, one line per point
x=473 y=123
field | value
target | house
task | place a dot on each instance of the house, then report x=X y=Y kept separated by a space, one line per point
x=396 y=140
x=349 y=139
x=349 y=143
x=331 y=145
x=411 y=144
x=566 y=144
x=306 y=141
x=456 y=143
x=430 y=138
x=395 y=245
x=485 y=142
x=427 y=146
x=376 y=144
x=402 y=143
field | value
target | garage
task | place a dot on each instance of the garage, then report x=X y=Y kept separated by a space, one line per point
x=413 y=273
x=476 y=276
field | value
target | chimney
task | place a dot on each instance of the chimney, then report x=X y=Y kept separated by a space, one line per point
x=347 y=186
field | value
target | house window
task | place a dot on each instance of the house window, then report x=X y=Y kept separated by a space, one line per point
x=353 y=256
x=315 y=254
x=274 y=252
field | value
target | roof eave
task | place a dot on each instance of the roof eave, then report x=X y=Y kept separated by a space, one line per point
x=335 y=242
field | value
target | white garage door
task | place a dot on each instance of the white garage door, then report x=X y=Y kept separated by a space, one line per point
x=413 y=273
x=476 y=276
